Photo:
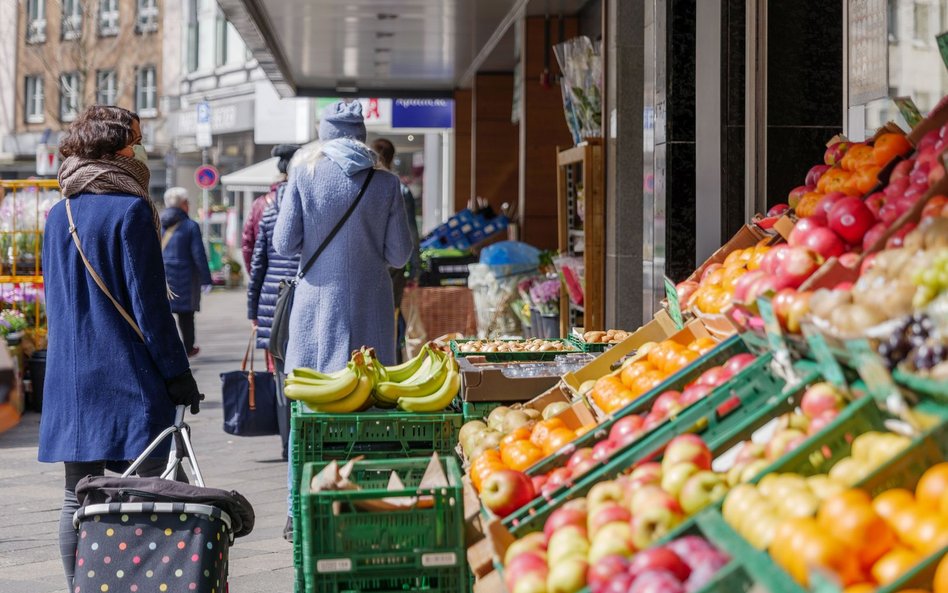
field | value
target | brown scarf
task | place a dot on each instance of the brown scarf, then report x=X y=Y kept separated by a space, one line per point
x=109 y=174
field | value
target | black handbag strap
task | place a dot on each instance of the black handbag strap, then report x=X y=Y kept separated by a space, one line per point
x=335 y=230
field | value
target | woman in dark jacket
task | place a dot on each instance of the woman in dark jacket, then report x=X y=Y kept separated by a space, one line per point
x=185 y=262
x=115 y=369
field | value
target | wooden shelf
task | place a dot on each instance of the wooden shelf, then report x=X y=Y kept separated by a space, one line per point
x=21 y=279
x=582 y=166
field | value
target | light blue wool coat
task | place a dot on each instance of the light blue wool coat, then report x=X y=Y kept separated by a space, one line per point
x=345 y=300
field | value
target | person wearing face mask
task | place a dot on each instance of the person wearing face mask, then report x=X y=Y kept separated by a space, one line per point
x=185 y=263
x=116 y=367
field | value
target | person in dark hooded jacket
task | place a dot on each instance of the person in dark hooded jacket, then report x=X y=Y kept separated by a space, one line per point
x=185 y=263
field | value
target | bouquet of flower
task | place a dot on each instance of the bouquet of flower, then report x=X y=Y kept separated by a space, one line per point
x=11 y=321
x=545 y=295
x=581 y=64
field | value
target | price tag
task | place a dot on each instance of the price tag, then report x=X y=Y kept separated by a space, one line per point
x=674 y=307
x=909 y=110
x=829 y=366
x=942 y=40
x=439 y=559
x=334 y=565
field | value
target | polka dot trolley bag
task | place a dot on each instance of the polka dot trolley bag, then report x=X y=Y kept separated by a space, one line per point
x=151 y=535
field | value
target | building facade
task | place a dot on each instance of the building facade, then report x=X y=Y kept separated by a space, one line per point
x=75 y=53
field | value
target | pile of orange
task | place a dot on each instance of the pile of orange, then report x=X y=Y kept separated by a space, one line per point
x=524 y=447
x=869 y=543
x=716 y=288
x=660 y=361
x=857 y=172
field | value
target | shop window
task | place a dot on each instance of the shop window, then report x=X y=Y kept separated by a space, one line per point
x=147 y=19
x=106 y=87
x=70 y=96
x=922 y=20
x=146 y=92
x=35 y=21
x=108 y=17
x=72 y=19
x=35 y=100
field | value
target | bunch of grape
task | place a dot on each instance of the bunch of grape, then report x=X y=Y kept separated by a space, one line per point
x=931 y=281
x=910 y=335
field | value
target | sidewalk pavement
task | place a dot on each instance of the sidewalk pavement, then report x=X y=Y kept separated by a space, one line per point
x=31 y=492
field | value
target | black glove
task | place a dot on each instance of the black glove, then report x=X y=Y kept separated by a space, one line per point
x=183 y=391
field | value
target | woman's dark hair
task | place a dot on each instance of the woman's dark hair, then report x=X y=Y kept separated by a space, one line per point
x=98 y=131
x=284 y=152
x=386 y=151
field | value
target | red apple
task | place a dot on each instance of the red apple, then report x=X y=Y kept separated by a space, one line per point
x=850 y=219
x=581 y=455
x=566 y=542
x=704 y=566
x=739 y=362
x=584 y=466
x=793 y=198
x=744 y=285
x=652 y=420
x=562 y=517
x=700 y=490
x=538 y=483
x=667 y=403
x=897 y=238
x=794 y=266
x=660 y=558
x=780 y=443
x=626 y=429
x=849 y=259
x=822 y=421
x=621 y=583
x=685 y=289
x=559 y=477
x=675 y=476
x=819 y=398
x=610 y=512
x=523 y=565
x=651 y=523
x=612 y=539
x=790 y=307
x=825 y=205
x=875 y=202
x=532 y=542
x=896 y=187
x=657 y=581
x=814 y=174
x=708 y=270
x=777 y=210
x=694 y=392
x=568 y=576
x=714 y=376
x=902 y=169
x=608 y=567
x=687 y=448
x=834 y=152
x=646 y=474
x=687 y=546
x=504 y=491
x=800 y=230
x=603 y=449
x=824 y=242
x=603 y=493
x=889 y=212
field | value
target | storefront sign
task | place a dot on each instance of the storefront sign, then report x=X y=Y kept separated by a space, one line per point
x=376 y=112
x=868 y=51
x=225 y=118
x=423 y=113
x=909 y=110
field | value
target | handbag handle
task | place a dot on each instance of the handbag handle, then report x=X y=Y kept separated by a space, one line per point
x=249 y=353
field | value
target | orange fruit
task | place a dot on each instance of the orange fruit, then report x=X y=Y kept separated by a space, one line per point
x=860 y=588
x=894 y=564
x=584 y=429
x=656 y=355
x=932 y=486
x=940 y=582
x=930 y=533
x=520 y=434
x=840 y=502
x=888 y=146
x=522 y=454
x=630 y=372
x=543 y=428
x=701 y=344
x=849 y=516
x=833 y=180
x=558 y=439
x=892 y=501
x=807 y=205
x=906 y=521
x=856 y=156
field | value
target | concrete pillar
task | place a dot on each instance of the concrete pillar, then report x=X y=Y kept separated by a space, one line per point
x=431 y=202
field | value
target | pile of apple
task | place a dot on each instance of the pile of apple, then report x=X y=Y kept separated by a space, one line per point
x=628 y=429
x=868 y=542
x=618 y=517
x=714 y=290
x=653 y=363
x=476 y=436
x=756 y=512
x=820 y=405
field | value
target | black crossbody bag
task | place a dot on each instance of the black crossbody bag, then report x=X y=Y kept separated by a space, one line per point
x=280 y=330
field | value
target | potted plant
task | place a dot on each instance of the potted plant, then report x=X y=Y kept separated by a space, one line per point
x=12 y=324
x=545 y=295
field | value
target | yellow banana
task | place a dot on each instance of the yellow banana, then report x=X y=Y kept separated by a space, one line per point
x=437 y=401
x=424 y=385
x=325 y=392
x=304 y=373
x=404 y=371
x=353 y=402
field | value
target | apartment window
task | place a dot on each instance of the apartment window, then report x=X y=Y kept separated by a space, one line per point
x=922 y=18
x=893 y=24
x=35 y=21
x=35 y=100
x=147 y=20
x=106 y=87
x=146 y=92
x=72 y=19
x=221 y=40
x=108 y=17
x=194 y=36
x=70 y=96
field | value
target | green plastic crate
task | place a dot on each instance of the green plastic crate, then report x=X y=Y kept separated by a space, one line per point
x=725 y=417
x=419 y=549
x=518 y=356
x=373 y=435
x=591 y=347
x=923 y=385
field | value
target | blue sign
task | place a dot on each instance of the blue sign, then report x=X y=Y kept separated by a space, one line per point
x=423 y=113
x=206 y=177
x=203 y=113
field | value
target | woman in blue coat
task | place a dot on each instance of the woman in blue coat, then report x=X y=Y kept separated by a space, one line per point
x=185 y=263
x=111 y=383
x=345 y=300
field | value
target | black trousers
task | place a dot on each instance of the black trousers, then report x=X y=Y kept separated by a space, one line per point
x=186 y=325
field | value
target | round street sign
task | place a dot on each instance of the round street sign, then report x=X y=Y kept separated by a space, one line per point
x=206 y=177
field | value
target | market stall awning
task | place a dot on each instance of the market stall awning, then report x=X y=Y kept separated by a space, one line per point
x=255 y=178
x=382 y=48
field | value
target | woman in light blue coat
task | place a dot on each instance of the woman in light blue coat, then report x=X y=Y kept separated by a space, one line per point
x=345 y=300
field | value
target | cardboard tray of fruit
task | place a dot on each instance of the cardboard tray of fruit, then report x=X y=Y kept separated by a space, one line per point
x=514 y=350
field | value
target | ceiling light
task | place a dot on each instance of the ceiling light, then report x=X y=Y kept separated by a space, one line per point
x=411 y=138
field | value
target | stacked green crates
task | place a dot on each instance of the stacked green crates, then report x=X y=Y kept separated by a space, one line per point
x=420 y=548
x=392 y=435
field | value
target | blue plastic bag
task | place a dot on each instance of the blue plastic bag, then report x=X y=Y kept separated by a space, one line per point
x=510 y=252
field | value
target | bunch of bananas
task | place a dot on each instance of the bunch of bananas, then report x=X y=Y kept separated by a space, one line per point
x=426 y=383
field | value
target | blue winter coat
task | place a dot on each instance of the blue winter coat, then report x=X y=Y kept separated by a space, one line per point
x=267 y=269
x=345 y=300
x=105 y=396
x=185 y=261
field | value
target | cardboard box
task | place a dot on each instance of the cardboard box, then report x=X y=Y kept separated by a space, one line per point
x=660 y=328
x=748 y=236
x=491 y=583
x=717 y=324
x=829 y=275
x=487 y=383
